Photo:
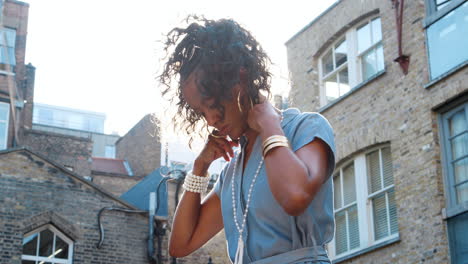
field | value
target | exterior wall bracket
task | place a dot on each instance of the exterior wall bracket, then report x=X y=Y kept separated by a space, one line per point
x=402 y=59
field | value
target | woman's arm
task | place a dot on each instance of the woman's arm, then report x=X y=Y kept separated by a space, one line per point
x=197 y=222
x=194 y=223
x=294 y=177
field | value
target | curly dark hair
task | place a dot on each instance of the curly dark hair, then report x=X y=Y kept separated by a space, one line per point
x=218 y=50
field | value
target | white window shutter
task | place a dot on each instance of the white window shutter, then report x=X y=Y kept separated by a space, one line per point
x=380 y=216
x=373 y=171
x=349 y=185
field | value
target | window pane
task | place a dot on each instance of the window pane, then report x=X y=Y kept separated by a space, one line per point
x=12 y=56
x=10 y=35
x=369 y=64
x=373 y=170
x=46 y=240
x=30 y=245
x=327 y=63
x=3 y=112
x=344 y=81
x=376 y=30
x=462 y=193
x=447 y=41
x=61 y=248
x=442 y=3
x=459 y=146
x=393 y=212
x=331 y=88
x=341 y=240
x=110 y=152
x=380 y=216
x=457 y=123
x=353 y=227
x=341 y=52
x=3 y=52
x=458 y=237
x=349 y=185
x=337 y=191
x=380 y=59
x=461 y=170
x=364 y=38
x=3 y=134
x=387 y=167
x=28 y=262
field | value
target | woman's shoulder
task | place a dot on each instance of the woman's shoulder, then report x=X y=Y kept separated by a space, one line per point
x=293 y=117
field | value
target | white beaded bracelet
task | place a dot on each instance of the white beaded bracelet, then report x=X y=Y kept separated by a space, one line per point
x=196 y=184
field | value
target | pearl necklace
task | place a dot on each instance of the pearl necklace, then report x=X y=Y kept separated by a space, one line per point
x=240 y=229
x=240 y=243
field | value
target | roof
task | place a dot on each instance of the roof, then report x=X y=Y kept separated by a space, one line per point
x=70 y=174
x=110 y=166
x=139 y=194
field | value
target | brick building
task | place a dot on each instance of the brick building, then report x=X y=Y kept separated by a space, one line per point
x=141 y=146
x=50 y=212
x=401 y=184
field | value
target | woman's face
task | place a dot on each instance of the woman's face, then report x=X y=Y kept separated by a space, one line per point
x=232 y=124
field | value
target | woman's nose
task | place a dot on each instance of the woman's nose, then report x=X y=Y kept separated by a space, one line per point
x=211 y=118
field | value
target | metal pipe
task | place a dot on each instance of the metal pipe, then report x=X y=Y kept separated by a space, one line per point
x=101 y=228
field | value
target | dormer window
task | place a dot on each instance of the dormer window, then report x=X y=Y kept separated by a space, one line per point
x=47 y=245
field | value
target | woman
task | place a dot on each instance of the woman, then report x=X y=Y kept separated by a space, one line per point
x=274 y=198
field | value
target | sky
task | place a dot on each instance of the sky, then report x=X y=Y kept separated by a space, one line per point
x=104 y=55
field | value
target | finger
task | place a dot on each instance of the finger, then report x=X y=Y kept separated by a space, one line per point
x=221 y=153
x=226 y=148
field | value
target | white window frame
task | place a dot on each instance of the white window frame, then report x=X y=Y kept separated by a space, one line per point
x=353 y=62
x=56 y=233
x=345 y=207
x=364 y=206
x=6 y=122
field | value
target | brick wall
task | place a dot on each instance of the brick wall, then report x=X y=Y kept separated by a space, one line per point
x=141 y=146
x=117 y=185
x=63 y=149
x=393 y=108
x=34 y=192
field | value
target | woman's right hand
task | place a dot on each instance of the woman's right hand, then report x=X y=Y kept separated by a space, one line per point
x=215 y=147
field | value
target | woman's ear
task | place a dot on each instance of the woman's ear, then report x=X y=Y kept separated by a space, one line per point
x=243 y=76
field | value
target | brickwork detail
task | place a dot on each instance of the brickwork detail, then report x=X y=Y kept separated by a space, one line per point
x=65 y=150
x=117 y=185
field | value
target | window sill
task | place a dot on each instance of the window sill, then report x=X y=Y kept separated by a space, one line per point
x=2 y=72
x=447 y=74
x=367 y=249
x=355 y=88
x=454 y=211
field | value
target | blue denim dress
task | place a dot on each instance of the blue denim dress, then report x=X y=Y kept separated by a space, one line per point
x=271 y=235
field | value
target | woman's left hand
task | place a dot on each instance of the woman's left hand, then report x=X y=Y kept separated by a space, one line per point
x=264 y=117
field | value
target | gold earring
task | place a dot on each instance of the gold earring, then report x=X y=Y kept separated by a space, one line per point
x=238 y=102
x=212 y=133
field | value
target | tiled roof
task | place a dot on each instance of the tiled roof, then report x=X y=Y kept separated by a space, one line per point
x=107 y=165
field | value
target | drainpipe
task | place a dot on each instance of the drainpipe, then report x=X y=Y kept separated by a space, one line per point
x=152 y=207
